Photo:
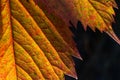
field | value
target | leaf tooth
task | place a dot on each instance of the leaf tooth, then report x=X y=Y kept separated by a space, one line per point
x=112 y=3
x=111 y=33
x=67 y=59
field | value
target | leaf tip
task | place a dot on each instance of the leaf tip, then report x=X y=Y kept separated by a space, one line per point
x=73 y=75
x=111 y=33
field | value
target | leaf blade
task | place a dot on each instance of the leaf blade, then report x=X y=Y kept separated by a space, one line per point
x=97 y=14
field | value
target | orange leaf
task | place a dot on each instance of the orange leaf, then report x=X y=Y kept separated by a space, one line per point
x=93 y=13
x=98 y=14
x=31 y=48
x=35 y=40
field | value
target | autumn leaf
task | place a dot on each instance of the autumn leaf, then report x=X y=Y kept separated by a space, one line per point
x=97 y=14
x=35 y=40
x=30 y=46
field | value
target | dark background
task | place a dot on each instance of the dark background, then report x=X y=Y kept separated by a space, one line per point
x=100 y=53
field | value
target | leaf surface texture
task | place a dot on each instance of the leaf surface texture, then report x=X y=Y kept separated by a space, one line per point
x=30 y=46
x=97 y=14
x=35 y=40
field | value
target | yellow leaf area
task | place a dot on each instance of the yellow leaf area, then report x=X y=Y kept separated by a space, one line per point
x=98 y=14
x=31 y=48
